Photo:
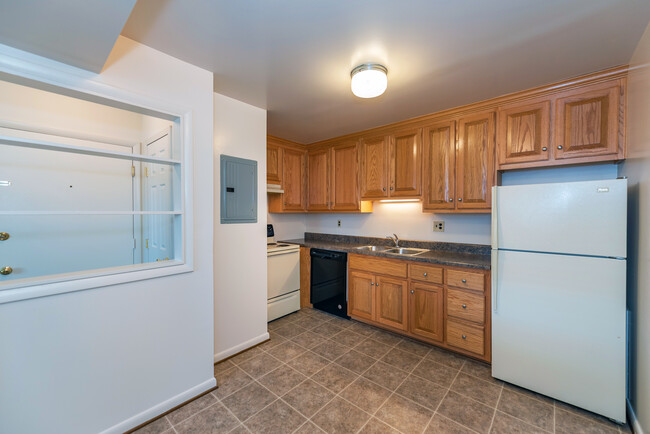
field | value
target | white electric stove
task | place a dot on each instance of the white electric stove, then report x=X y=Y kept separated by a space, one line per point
x=283 y=276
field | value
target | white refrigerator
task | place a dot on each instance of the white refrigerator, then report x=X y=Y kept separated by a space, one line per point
x=558 y=291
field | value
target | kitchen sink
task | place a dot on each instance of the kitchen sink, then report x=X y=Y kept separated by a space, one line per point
x=373 y=248
x=406 y=251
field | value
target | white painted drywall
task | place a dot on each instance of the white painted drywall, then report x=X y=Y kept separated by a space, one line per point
x=110 y=358
x=409 y=222
x=637 y=169
x=239 y=249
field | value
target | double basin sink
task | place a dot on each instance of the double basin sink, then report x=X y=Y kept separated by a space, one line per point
x=402 y=251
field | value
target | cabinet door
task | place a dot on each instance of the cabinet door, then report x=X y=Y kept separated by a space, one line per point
x=426 y=311
x=293 y=176
x=587 y=123
x=475 y=171
x=406 y=163
x=374 y=167
x=523 y=132
x=361 y=295
x=318 y=194
x=439 y=166
x=273 y=164
x=392 y=302
x=344 y=181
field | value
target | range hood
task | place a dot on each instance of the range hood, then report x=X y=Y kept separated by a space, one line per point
x=274 y=188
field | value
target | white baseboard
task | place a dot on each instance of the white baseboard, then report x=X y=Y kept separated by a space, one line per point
x=241 y=347
x=159 y=409
x=634 y=422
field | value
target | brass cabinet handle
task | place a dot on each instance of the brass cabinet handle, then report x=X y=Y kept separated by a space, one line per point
x=6 y=270
x=4 y=236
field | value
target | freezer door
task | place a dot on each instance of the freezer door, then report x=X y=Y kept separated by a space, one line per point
x=558 y=328
x=582 y=218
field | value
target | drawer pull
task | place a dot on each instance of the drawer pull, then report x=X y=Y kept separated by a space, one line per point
x=464 y=337
x=544 y=148
x=464 y=280
x=464 y=306
x=425 y=274
x=412 y=292
x=372 y=283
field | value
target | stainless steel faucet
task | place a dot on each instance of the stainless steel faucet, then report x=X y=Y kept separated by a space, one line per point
x=395 y=239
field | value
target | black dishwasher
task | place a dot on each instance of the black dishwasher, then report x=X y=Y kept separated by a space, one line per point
x=328 y=281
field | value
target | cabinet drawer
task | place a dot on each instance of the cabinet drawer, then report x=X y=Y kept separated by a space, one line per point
x=465 y=337
x=371 y=264
x=465 y=305
x=425 y=273
x=466 y=279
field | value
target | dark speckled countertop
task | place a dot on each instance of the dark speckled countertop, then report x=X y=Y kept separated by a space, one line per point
x=455 y=254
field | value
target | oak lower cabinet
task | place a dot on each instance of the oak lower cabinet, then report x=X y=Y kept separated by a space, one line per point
x=441 y=305
x=426 y=311
x=361 y=295
x=391 y=297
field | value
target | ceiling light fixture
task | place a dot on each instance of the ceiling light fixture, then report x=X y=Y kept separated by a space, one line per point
x=369 y=80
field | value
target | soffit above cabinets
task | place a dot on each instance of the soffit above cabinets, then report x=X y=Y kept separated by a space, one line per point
x=78 y=33
x=294 y=57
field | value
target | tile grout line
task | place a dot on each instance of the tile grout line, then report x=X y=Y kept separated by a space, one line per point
x=496 y=406
x=443 y=397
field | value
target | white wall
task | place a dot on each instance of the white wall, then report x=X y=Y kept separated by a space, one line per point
x=637 y=169
x=239 y=249
x=113 y=357
x=409 y=222
x=288 y=226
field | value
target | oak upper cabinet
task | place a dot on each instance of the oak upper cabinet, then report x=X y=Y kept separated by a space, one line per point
x=333 y=178
x=318 y=180
x=426 y=311
x=344 y=178
x=392 y=302
x=587 y=122
x=273 y=164
x=439 y=166
x=475 y=169
x=293 y=177
x=406 y=163
x=391 y=165
x=374 y=167
x=361 y=295
x=523 y=132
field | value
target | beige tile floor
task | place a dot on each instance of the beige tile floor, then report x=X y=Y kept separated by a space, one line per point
x=320 y=373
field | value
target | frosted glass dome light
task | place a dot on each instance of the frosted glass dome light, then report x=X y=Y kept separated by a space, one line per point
x=369 y=80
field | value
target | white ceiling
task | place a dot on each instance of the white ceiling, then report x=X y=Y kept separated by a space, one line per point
x=293 y=57
x=79 y=33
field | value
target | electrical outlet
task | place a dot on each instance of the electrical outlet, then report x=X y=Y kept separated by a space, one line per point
x=438 y=226
x=339 y=223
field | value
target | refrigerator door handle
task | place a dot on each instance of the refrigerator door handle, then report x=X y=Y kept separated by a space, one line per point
x=495 y=241
x=494 y=287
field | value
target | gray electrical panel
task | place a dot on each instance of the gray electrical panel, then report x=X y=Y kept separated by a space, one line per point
x=238 y=190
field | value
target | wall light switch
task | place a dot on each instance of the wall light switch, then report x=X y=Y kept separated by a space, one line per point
x=439 y=226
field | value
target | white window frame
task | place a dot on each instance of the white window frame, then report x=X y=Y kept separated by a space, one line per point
x=34 y=71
